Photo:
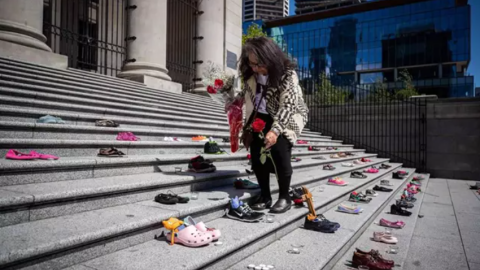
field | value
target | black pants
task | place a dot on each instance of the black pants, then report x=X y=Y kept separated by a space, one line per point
x=281 y=155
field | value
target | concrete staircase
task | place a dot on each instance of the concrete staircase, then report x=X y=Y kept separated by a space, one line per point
x=88 y=212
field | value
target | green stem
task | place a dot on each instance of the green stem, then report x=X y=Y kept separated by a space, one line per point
x=273 y=163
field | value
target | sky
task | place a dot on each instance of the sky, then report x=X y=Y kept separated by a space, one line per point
x=474 y=68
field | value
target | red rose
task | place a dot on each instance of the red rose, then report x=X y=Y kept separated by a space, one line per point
x=249 y=156
x=218 y=83
x=258 y=125
x=211 y=90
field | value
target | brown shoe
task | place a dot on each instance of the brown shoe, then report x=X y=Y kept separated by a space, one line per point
x=376 y=255
x=368 y=260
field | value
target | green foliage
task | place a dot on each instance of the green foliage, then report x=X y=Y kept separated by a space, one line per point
x=254 y=30
x=329 y=94
x=379 y=93
x=409 y=88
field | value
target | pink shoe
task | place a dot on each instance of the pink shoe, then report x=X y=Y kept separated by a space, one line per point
x=44 y=156
x=396 y=224
x=371 y=170
x=190 y=236
x=16 y=155
x=337 y=181
x=203 y=228
x=127 y=136
x=302 y=142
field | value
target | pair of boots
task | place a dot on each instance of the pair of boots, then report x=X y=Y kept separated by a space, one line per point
x=284 y=202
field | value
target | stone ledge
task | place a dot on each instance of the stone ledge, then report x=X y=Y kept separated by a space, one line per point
x=23 y=53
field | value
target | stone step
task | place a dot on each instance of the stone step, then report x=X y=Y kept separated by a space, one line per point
x=29 y=202
x=403 y=235
x=100 y=104
x=47 y=84
x=320 y=249
x=80 y=237
x=15 y=172
x=31 y=115
x=80 y=148
x=31 y=104
x=106 y=81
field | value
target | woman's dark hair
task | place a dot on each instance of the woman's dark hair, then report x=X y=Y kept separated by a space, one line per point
x=267 y=53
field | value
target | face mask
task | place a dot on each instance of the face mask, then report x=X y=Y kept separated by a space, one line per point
x=262 y=79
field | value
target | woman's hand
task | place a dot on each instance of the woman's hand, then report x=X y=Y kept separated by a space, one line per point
x=270 y=139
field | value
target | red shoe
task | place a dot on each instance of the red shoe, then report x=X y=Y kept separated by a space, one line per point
x=376 y=255
x=302 y=142
x=365 y=160
x=370 y=261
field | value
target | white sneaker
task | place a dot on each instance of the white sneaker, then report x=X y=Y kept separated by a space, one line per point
x=168 y=139
x=347 y=164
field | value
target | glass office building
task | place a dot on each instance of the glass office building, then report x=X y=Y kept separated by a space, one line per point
x=374 y=41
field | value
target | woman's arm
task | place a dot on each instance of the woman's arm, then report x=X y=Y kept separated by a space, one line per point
x=288 y=102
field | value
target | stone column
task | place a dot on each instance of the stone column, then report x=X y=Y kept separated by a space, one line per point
x=21 y=36
x=148 y=24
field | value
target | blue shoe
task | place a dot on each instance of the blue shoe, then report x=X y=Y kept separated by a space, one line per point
x=49 y=119
x=349 y=209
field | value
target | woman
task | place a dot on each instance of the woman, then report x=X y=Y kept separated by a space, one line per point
x=270 y=87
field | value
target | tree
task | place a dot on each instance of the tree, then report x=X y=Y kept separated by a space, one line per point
x=329 y=94
x=409 y=88
x=254 y=30
x=379 y=93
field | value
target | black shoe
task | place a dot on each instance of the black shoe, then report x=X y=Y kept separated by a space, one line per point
x=397 y=175
x=321 y=224
x=262 y=203
x=397 y=210
x=226 y=140
x=296 y=196
x=199 y=164
x=245 y=213
x=281 y=206
x=170 y=198
x=357 y=174
x=404 y=204
x=384 y=189
x=250 y=172
x=212 y=147
x=385 y=166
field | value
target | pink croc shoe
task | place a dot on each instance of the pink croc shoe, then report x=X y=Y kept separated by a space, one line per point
x=337 y=181
x=44 y=156
x=16 y=155
x=190 y=236
x=370 y=170
x=396 y=224
x=127 y=136
x=203 y=228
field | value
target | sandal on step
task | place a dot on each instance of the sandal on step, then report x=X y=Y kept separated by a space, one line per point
x=17 y=155
x=328 y=167
x=110 y=152
x=106 y=123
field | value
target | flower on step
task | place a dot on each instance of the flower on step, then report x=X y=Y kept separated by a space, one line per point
x=258 y=125
x=211 y=90
x=218 y=84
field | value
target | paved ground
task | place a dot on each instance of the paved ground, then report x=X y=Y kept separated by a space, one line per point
x=448 y=236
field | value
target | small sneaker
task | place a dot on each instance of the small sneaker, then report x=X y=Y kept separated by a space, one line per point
x=321 y=224
x=396 y=175
x=349 y=209
x=359 y=197
x=337 y=181
x=383 y=189
x=397 y=210
x=385 y=166
x=245 y=184
x=358 y=162
x=314 y=148
x=357 y=174
x=211 y=147
x=385 y=183
x=403 y=203
x=346 y=164
x=241 y=211
x=415 y=183
x=371 y=193
x=384 y=238
x=328 y=167
x=200 y=165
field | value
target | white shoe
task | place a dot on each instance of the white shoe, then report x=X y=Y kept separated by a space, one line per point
x=347 y=164
x=168 y=139
x=385 y=238
x=358 y=162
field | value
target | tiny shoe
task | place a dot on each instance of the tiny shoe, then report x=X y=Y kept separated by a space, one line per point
x=359 y=197
x=346 y=164
x=328 y=167
x=226 y=140
x=397 y=210
x=129 y=136
x=337 y=181
x=403 y=203
x=201 y=165
x=245 y=184
x=371 y=193
x=358 y=162
x=202 y=227
x=370 y=170
x=384 y=238
x=342 y=155
x=190 y=236
x=397 y=175
x=17 y=155
x=170 y=198
x=239 y=210
x=383 y=189
x=321 y=224
x=106 y=123
x=302 y=142
x=418 y=177
x=415 y=183
x=335 y=156
x=44 y=156
x=349 y=209
x=350 y=154
x=332 y=148
x=397 y=224
x=365 y=160
x=320 y=158
x=49 y=119
x=375 y=254
x=385 y=166
x=357 y=174
x=296 y=159
x=314 y=148
x=385 y=183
